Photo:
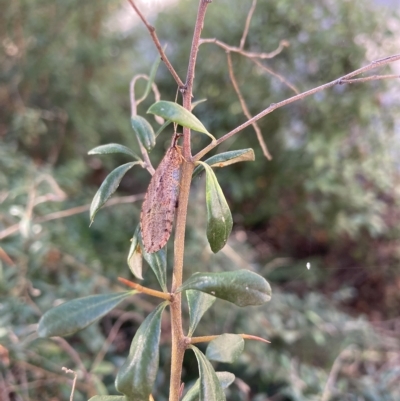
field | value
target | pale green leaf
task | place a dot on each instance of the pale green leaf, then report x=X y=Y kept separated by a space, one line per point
x=108 y=398
x=225 y=379
x=177 y=114
x=135 y=257
x=225 y=348
x=113 y=148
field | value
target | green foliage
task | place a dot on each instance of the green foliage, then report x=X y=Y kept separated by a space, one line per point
x=329 y=196
x=242 y=287
x=198 y=303
x=219 y=217
x=113 y=148
x=210 y=387
x=174 y=112
x=77 y=314
x=144 y=132
x=108 y=187
x=227 y=158
x=137 y=375
x=225 y=348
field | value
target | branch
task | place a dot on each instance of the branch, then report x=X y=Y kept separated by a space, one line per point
x=153 y=35
x=145 y=290
x=275 y=74
x=245 y=109
x=247 y=24
x=274 y=106
x=206 y=339
x=70 y=212
x=234 y=49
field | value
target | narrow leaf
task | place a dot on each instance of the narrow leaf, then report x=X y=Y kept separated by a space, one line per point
x=113 y=148
x=199 y=302
x=241 y=287
x=161 y=129
x=135 y=257
x=225 y=379
x=77 y=314
x=225 y=348
x=157 y=261
x=152 y=76
x=108 y=398
x=108 y=187
x=144 y=132
x=226 y=158
x=197 y=102
x=177 y=114
x=219 y=217
x=210 y=387
x=137 y=375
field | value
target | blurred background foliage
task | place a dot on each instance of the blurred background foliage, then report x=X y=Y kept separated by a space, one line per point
x=329 y=197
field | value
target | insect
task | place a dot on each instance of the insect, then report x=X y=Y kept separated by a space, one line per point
x=158 y=208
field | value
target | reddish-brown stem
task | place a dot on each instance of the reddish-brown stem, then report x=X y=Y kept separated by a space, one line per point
x=145 y=290
x=178 y=340
x=153 y=35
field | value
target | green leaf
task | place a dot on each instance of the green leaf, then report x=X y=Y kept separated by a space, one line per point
x=144 y=132
x=225 y=380
x=135 y=257
x=225 y=348
x=161 y=129
x=108 y=398
x=113 y=148
x=177 y=114
x=157 y=261
x=219 y=217
x=137 y=375
x=108 y=187
x=199 y=302
x=241 y=287
x=152 y=76
x=77 y=314
x=226 y=158
x=210 y=387
x=197 y=102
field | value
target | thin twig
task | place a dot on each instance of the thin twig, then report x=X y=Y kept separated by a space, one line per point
x=143 y=151
x=337 y=364
x=275 y=74
x=153 y=35
x=247 y=24
x=70 y=212
x=145 y=290
x=274 y=106
x=111 y=337
x=234 y=49
x=366 y=79
x=206 y=339
x=66 y=370
x=246 y=111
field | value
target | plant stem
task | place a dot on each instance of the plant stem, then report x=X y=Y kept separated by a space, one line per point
x=178 y=340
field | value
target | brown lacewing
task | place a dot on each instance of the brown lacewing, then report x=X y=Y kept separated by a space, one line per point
x=158 y=208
